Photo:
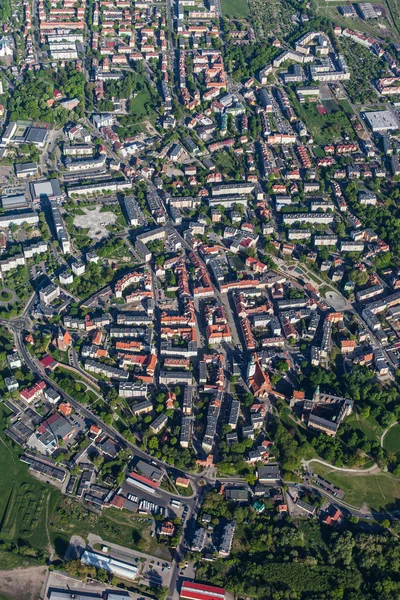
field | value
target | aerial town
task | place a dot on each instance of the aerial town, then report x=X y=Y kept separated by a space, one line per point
x=199 y=300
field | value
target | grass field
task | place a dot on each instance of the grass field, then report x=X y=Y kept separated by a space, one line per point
x=235 y=9
x=138 y=104
x=23 y=499
x=391 y=440
x=376 y=491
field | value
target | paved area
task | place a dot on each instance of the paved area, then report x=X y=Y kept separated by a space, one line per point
x=60 y=581
x=96 y=222
x=152 y=570
x=76 y=545
x=335 y=300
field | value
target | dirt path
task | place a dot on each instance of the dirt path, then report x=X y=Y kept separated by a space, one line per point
x=370 y=471
x=23 y=584
x=385 y=432
x=50 y=546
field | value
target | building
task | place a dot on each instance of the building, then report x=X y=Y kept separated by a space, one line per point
x=186 y=432
x=326 y=412
x=25 y=170
x=14 y=202
x=199 y=540
x=135 y=389
x=49 y=189
x=382 y=120
x=14 y=361
x=49 y=293
x=269 y=474
x=133 y=212
x=118 y=568
x=60 y=228
x=228 y=534
x=19 y=218
x=159 y=423
x=191 y=590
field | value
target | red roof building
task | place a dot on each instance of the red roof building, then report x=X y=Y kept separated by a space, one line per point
x=30 y=394
x=199 y=591
x=48 y=362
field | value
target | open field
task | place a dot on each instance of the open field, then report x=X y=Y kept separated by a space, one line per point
x=376 y=491
x=391 y=441
x=22 y=500
x=235 y=9
x=24 y=584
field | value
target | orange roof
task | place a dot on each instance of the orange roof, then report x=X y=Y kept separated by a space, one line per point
x=182 y=481
x=65 y=409
x=298 y=395
x=348 y=343
x=152 y=364
x=97 y=338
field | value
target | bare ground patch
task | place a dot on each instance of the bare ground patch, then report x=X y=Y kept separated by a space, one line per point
x=23 y=584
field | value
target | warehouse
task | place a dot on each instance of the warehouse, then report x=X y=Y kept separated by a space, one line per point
x=199 y=591
x=381 y=120
x=117 y=567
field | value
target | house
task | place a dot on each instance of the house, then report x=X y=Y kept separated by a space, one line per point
x=240 y=495
x=109 y=448
x=11 y=384
x=159 y=423
x=269 y=474
x=167 y=528
x=65 y=409
x=14 y=361
x=32 y=393
x=51 y=395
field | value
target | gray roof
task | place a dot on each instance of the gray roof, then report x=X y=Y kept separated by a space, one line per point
x=50 y=187
x=36 y=135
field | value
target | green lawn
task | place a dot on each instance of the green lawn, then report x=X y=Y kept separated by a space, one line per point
x=376 y=491
x=369 y=426
x=138 y=104
x=235 y=9
x=391 y=440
